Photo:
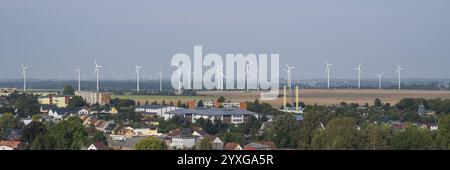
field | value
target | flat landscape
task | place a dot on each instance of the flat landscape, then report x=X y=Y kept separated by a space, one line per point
x=335 y=96
x=308 y=96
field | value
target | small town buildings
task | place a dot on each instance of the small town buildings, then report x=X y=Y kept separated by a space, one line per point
x=217 y=144
x=100 y=98
x=147 y=132
x=256 y=146
x=232 y=146
x=12 y=145
x=200 y=134
x=47 y=107
x=7 y=91
x=61 y=113
x=229 y=116
x=98 y=146
x=111 y=110
x=127 y=144
x=158 y=110
x=59 y=101
x=182 y=143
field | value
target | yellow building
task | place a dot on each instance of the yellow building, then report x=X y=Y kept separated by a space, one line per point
x=59 y=101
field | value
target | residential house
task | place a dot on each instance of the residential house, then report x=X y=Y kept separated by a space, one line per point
x=7 y=91
x=182 y=143
x=147 y=132
x=217 y=144
x=47 y=107
x=61 y=113
x=98 y=146
x=200 y=133
x=13 y=134
x=26 y=121
x=127 y=144
x=111 y=110
x=180 y=132
x=232 y=146
x=83 y=111
x=256 y=146
x=12 y=145
x=128 y=132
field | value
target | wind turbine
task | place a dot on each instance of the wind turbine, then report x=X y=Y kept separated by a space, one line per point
x=289 y=75
x=327 y=69
x=78 y=70
x=219 y=76
x=24 y=73
x=138 y=68
x=359 y=75
x=97 y=71
x=399 y=70
x=379 y=79
x=160 y=79
x=247 y=71
x=179 y=78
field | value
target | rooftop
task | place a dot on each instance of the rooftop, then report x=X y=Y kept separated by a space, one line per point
x=212 y=111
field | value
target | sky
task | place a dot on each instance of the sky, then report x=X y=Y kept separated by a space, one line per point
x=53 y=37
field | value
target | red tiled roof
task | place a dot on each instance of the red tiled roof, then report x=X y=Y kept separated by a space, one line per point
x=12 y=144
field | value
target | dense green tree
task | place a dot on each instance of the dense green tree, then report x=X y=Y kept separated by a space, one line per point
x=76 y=102
x=378 y=103
x=68 y=90
x=150 y=143
x=443 y=134
x=284 y=131
x=413 y=139
x=221 y=99
x=340 y=133
x=200 y=104
x=237 y=137
x=116 y=102
x=375 y=137
x=9 y=121
x=311 y=124
x=32 y=130
x=66 y=135
x=252 y=126
x=25 y=104
x=205 y=144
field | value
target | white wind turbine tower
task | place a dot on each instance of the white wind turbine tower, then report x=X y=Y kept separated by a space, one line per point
x=379 y=79
x=78 y=70
x=247 y=71
x=179 y=78
x=138 y=68
x=160 y=79
x=219 y=77
x=97 y=71
x=289 y=75
x=24 y=73
x=327 y=69
x=399 y=70
x=359 y=75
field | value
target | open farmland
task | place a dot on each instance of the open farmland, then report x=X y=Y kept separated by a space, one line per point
x=335 y=96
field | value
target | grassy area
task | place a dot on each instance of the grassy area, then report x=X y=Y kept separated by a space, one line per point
x=151 y=98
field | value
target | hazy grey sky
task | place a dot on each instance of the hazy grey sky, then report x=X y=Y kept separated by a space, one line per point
x=52 y=37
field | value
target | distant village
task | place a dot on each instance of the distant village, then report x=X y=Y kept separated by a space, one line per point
x=117 y=124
